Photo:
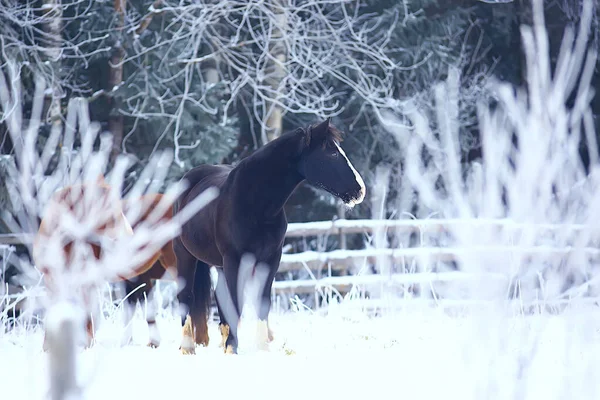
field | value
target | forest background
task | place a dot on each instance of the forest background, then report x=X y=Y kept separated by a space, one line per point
x=215 y=80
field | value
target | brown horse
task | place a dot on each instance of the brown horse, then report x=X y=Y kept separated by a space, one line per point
x=140 y=287
x=80 y=203
x=110 y=222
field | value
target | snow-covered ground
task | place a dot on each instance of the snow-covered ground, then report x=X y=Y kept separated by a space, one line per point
x=417 y=354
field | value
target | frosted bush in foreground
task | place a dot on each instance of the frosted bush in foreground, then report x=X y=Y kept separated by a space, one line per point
x=528 y=210
x=531 y=173
x=74 y=283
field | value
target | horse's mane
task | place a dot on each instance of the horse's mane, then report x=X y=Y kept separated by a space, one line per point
x=334 y=134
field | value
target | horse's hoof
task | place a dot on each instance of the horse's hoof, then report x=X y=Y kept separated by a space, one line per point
x=187 y=343
x=153 y=345
x=187 y=350
x=224 y=334
x=229 y=350
x=187 y=346
x=269 y=335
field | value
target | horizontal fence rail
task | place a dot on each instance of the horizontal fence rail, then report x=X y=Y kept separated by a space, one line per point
x=342 y=260
x=348 y=226
x=345 y=282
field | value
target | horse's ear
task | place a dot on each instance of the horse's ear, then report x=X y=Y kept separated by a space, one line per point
x=323 y=126
x=319 y=132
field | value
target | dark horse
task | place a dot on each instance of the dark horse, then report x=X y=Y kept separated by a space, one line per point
x=248 y=218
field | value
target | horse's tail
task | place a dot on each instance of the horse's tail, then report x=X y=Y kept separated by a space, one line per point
x=202 y=288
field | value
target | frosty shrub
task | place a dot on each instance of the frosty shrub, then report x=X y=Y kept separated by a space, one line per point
x=529 y=204
x=77 y=274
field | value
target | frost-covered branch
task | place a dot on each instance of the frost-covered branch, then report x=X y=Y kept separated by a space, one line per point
x=287 y=54
x=84 y=239
x=531 y=170
x=79 y=213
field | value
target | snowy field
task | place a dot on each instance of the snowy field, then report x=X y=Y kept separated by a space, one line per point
x=418 y=354
x=485 y=352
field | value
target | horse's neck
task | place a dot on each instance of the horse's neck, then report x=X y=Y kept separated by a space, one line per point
x=269 y=178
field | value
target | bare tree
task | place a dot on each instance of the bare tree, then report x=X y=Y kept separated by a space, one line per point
x=115 y=122
x=287 y=54
x=36 y=37
x=53 y=23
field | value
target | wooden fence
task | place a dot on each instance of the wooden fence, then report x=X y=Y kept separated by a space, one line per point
x=341 y=260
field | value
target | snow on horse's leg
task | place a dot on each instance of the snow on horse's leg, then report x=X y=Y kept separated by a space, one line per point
x=153 y=334
x=262 y=335
x=128 y=313
x=153 y=331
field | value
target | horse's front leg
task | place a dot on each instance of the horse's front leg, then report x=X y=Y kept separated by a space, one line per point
x=221 y=290
x=265 y=334
x=141 y=290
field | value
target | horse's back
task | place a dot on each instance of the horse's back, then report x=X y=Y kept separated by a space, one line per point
x=198 y=234
x=201 y=178
x=148 y=202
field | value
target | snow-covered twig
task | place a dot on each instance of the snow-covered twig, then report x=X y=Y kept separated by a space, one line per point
x=84 y=238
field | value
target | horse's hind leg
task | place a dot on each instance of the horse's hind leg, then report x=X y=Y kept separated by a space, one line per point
x=202 y=288
x=140 y=289
x=186 y=269
x=151 y=310
x=89 y=328
x=223 y=325
x=264 y=308
x=229 y=300
x=129 y=304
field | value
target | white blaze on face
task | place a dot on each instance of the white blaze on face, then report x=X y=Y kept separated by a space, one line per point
x=359 y=180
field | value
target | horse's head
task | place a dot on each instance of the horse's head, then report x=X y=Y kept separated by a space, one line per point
x=324 y=164
x=93 y=208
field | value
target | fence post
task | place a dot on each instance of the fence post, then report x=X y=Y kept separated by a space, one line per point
x=7 y=251
x=342 y=215
x=61 y=332
x=378 y=200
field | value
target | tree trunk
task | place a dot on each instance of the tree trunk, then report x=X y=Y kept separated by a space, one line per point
x=115 y=121
x=524 y=17
x=211 y=71
x=276 y=73
x=52 y=14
